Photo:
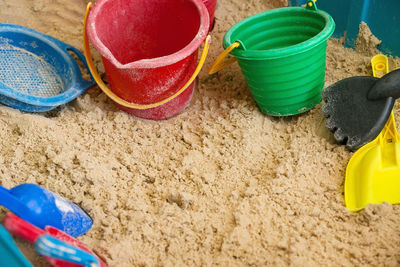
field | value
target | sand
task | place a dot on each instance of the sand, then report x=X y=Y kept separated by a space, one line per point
x=220 y=184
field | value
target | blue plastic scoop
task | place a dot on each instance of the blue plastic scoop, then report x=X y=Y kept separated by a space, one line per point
x=42 y=207
x=10 y=255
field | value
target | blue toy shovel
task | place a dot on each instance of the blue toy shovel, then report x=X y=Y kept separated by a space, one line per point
x=10 y=255
x=49 y=246
x=42 y=207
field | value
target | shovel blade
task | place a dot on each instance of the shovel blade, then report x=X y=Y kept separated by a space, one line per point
x=371 y=178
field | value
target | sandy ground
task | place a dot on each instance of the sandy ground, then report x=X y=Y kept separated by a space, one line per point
x=220 y=184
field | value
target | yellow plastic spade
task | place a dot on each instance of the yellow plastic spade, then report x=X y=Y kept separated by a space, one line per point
x=373 y=172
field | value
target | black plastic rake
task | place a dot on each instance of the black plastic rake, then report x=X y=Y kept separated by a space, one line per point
x=357 y=108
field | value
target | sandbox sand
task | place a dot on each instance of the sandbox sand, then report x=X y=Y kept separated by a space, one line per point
x=220 y=184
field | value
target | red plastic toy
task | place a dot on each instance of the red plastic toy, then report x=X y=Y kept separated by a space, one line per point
x=30 y=233
x=149 y=51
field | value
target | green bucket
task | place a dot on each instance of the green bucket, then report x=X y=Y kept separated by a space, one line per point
x=282 y=54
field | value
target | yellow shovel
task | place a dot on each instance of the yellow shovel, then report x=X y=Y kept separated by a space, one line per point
x=373 y=172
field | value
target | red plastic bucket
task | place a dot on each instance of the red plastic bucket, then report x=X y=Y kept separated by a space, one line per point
x=149 y=51
x=211 y=6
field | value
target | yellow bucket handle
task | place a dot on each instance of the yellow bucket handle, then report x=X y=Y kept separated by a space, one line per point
x=220 y=63
x=121 y=101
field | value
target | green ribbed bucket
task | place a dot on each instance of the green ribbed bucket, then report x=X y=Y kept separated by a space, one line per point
x=282 y=54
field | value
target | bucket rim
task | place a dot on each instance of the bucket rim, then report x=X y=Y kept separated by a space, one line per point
x=156 y=62
x=301 y=47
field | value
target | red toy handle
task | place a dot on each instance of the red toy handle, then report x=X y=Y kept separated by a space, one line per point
x=30 y=233
x=21 y=228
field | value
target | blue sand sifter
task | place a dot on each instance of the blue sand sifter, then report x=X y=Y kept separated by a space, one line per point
x=37 y=72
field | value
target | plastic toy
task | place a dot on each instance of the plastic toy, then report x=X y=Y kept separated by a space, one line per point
x=42 y=207
x=10 y=255
x=30 y=233
x=281 y=53
x=211 y=6
x=37 y=72
x=49 y=246
x=372 y=174
x=149 y=51
x=357 y=108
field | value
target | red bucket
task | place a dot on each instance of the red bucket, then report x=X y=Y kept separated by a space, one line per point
x=211 y=5
x=149 y=51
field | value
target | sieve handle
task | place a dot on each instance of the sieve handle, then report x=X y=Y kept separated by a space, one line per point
x=121 y=101
x=81 y=82
x=82 y=58
x=220 y=63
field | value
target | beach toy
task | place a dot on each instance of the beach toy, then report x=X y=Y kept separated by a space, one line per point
x=211 y=6
x=30 y=233
x=357 y=108
x=49 y=246
x=281 y=53
x=149 y=51
x=10 y=255
x=351 y=116
x=37 y=72
x=42 y=207
x=373 y=172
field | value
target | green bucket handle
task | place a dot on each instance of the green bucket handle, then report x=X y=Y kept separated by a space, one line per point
x=220 y=62
x=311 y=5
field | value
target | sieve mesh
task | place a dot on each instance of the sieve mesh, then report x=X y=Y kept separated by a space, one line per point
x=28 y=73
